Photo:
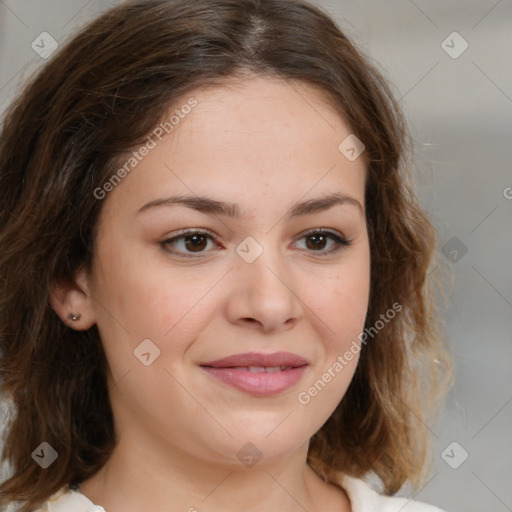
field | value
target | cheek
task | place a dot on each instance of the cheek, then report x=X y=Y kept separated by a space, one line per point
x=343 y=302
x=138 y=300
x=342 y=308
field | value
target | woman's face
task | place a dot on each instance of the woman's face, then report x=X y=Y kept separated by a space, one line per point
x=254 y=166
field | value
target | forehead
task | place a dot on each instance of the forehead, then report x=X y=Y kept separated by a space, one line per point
x=253 y=138
x=269 y=108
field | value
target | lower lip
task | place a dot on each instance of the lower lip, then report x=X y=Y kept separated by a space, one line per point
x=258 y=384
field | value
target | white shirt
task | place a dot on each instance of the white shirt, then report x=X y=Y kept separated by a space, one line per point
x=362 y=499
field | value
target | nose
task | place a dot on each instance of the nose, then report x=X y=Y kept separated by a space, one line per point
x=264 y=294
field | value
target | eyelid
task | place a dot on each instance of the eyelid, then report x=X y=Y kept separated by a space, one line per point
x=325 y=231
x=182 y=233
x=191 y=231
x=340 y=239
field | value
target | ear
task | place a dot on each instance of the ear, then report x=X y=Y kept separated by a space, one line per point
x=69 y=297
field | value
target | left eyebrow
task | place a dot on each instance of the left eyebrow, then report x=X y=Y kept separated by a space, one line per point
x=211 y=206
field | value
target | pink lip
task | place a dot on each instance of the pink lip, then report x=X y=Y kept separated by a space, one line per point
x=233 y=370
x=257 y=359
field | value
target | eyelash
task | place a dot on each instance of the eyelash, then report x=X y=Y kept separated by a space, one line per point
x=339 y=240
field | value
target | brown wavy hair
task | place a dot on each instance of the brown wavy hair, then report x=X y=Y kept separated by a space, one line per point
x=97 y=98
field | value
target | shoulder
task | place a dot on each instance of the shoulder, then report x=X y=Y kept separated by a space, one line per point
x=364 y=499
x=66 y=500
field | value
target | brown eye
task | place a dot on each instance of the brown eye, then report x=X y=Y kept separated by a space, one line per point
x=189 y=242
x=324 y=242
x=196 y=242
x=316 y=242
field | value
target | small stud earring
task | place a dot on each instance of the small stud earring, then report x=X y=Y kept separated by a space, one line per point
x=74 y=317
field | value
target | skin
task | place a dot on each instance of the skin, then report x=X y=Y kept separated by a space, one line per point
x=264 y=144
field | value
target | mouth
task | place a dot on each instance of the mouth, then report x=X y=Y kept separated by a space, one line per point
x=258 y=374
x=260 y=369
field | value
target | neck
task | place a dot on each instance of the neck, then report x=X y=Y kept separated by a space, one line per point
x=134 y=480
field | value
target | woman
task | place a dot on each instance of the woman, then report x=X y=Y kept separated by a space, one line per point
x=213 y=270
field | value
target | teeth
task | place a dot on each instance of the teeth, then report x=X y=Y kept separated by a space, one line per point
x=256 y=369
x=268 y=369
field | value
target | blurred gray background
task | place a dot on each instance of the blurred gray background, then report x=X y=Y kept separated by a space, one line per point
x=451 y=65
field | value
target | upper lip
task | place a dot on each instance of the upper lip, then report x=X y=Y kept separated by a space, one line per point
x=257 y=359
